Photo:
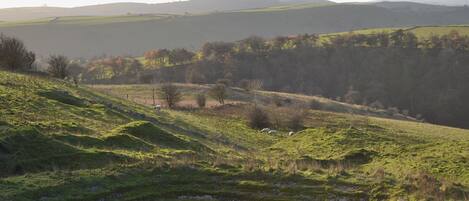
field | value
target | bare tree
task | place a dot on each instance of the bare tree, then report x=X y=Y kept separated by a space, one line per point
x=58 y=66
x=14 y=55
x=171 y=94
x=219 y=93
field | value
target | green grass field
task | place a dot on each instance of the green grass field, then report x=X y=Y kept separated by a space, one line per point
x=85 y=20
x=419 y=31
x=289 y=7
x=60 y=142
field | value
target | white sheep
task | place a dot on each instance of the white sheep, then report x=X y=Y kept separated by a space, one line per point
x=158 y=108
x=265 y=130
x=272 y=131
x=291 y=133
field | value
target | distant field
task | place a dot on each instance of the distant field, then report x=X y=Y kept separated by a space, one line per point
x=420 y=31
x=133 y=35
x=289 y=7
x=439 y=30
x=84 y=20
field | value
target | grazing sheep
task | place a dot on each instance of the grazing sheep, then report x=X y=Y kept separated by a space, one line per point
x=158 y=108
x=265 y=130
x=291 y=133
x=272 y=131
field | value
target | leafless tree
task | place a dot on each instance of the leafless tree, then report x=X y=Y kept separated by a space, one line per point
x=14 y=55
x=171 y=94
x=58 y=66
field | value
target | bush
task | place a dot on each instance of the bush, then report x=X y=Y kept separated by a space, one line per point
x=295 y=122
x=277 y=100
x=219 y=93
x=171 y=94
x=258 y=118
x=58 y=66
x=315 y=104
x=244 y=84
x=201 y=100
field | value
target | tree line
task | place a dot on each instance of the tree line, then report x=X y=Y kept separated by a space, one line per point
x=423 y=77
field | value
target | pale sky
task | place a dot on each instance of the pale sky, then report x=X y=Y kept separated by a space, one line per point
x=73 y=3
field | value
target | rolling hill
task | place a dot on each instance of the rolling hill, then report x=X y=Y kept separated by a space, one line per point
x=63 y=142
x=180 y=7
x=422 y=32
x=437 y=2
x=132 y=35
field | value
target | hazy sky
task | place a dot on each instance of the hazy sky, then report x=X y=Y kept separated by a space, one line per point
x=69 y=3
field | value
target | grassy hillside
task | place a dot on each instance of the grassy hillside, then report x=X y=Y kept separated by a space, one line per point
x=132 y=35
x=61 y=142
x=422 y=32
x=84 y=20
x=113 y=9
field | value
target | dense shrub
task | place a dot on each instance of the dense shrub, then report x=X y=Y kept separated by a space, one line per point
x=277 y=101
x=58 y=66
x=258 y=118
x=201 y=100
x=315 y=104
x=295 y=122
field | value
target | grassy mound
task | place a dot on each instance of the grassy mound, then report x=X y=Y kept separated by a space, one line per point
x=64 y=97
x=152 y=134
x=129 y=142
x=27 y=150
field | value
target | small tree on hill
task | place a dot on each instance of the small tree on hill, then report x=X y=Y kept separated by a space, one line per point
x=170 y=94
x=58 y=66
x=219 y=93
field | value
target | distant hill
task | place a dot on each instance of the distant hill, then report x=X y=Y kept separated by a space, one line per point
x=181 y=7
x=414 y=6
x=437 y=2
x=132 y=35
